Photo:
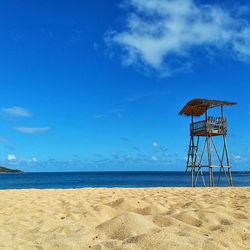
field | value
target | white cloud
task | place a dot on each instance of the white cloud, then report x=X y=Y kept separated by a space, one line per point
x=16 y=112
x=236 y=158
x=154 y=158
x=29 y=130
x=34 y=159
x=11 y=157
x=163 y=33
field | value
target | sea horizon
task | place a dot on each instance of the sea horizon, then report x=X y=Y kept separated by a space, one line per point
x=104 y=171
x=111 y=179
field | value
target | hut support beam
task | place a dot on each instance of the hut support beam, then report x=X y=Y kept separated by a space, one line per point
x=195 y=161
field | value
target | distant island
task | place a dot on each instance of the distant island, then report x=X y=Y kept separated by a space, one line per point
x=4 y=170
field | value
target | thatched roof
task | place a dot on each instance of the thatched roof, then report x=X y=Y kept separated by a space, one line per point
x=198 y=107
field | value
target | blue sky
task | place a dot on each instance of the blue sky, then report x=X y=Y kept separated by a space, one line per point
x=97 y=85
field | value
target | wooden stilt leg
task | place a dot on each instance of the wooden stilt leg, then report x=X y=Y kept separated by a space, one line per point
x=211 y=182
x=228 y=162
x=230 y=177
x=218 y=182
x=192 y=176
x=203 y=179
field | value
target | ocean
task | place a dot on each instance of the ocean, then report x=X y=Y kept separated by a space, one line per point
x=61 y=180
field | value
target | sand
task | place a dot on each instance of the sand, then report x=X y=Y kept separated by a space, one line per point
x=123 y=219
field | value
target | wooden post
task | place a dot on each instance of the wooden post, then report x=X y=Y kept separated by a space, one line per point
x=209 y=162
x=192 y=148
x=222 y=111
x=226 y=150
x=209 y=156
x=228 y=161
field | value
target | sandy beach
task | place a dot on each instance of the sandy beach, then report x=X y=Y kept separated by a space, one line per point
x=158 y=218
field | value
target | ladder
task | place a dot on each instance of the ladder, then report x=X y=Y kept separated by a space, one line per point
x=192 y=154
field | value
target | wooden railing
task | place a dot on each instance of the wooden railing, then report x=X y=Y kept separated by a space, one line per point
x=213 y=125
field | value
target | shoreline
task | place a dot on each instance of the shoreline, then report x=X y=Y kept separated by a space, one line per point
x=125 y=188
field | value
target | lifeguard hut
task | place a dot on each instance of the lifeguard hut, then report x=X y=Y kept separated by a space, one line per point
x=203 y=132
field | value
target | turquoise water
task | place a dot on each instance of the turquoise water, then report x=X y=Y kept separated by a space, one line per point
x=107 y=179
